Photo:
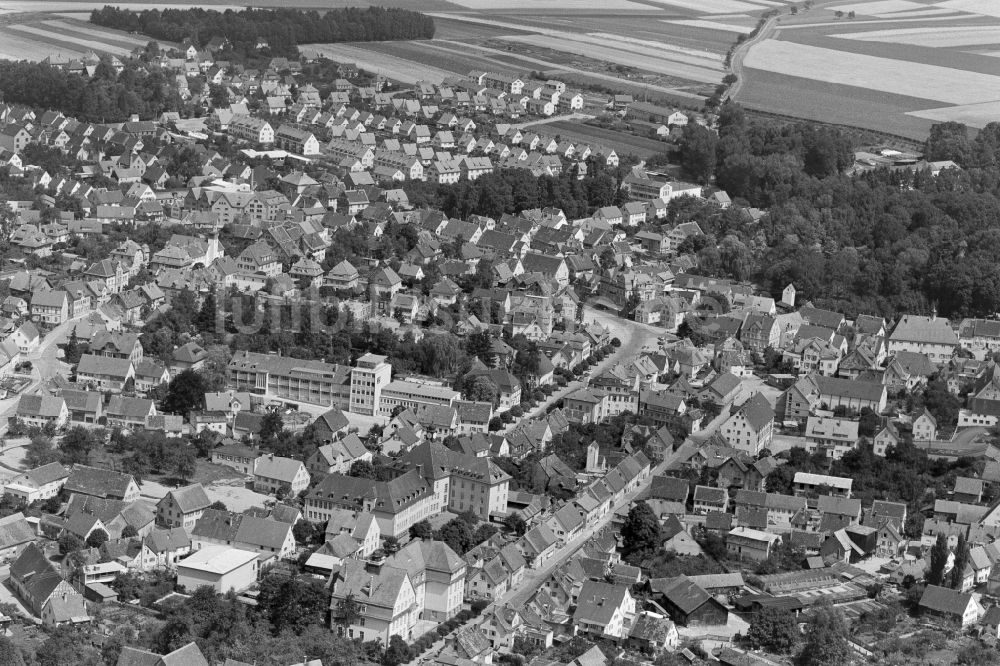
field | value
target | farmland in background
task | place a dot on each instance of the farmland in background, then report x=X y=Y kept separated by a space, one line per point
x=898 y=66
x=35 y=36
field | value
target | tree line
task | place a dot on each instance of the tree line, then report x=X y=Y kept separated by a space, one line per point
x=282 y=30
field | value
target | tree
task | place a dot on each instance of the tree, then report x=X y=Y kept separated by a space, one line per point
x=939 y=559
x=941 y=403
x=347 y=612
x=867 y=422
x=949 y=141
x=129 y=532
x=961 y=560
x=9 y=654
x=457 y=534
x=292 y=603
x=77 y=444
x=97 y=538
x=641 y=530
x=398 y=652
x=826 y=639
x=773 y=630
x=515 y=523
x=73 y=349
x=185 y=393
x=184 y=463
x=270 y=426
x=40 y=452
x=698 y=152
x=977 y=654
x=421 y=530
x=390 y=544
x=69 y=543
x=481 y=389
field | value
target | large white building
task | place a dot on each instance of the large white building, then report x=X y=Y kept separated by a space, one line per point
x=369 y=377
x=412 y=395
x=255 y=130
x=222 y=568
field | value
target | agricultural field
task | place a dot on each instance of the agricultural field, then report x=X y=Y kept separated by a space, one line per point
x=400 y=69
x=37 y=36
x=621 y=142
x=898 y=66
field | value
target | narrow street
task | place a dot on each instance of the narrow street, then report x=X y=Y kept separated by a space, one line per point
x=44 y=366
x=634 y=336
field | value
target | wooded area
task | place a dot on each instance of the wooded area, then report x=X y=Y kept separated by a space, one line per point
x=281 y=30
x=106 y=97
x=883 y=242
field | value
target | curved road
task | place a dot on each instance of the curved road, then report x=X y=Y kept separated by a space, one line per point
x=736 y=62
x=633 y=335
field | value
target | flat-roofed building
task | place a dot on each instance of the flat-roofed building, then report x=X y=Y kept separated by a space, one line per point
x=221 y=568
x=304 y=380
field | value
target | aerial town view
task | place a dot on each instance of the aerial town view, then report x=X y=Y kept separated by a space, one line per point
x=500 y=333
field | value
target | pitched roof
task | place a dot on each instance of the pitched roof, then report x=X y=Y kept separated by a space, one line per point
x=681 y=591
x=598 y=601
x=945 y=600
x=190 y=498
x=98 y=482
x=277 y=467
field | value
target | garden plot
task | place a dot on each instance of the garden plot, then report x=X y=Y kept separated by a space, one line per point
x=938 y=37
x=917 y=80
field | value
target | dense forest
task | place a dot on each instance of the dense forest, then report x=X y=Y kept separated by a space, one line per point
x=886 y=241
x=107 y=97
x=281 y=29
